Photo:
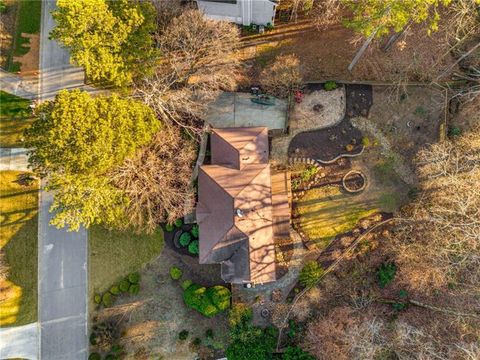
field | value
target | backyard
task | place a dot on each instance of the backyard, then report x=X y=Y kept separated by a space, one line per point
x=20 y=36
x=15 y=117
x=18 y=248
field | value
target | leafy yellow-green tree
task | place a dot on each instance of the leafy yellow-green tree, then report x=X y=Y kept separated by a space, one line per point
x=382 y=16
x=111 y=39
x=77 y=140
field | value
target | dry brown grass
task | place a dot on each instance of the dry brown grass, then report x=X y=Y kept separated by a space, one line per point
x=283 y=77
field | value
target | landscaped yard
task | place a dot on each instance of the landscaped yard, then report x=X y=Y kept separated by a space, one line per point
x=18 y=247
x=114 y=254
x=20 y=34
x=15 y=117
x=328 y=211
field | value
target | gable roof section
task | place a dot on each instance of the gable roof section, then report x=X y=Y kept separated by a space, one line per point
x=242 y=243
x=237 y=147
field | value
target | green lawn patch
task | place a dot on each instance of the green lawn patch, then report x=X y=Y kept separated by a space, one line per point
x=18 y=244
x=326 y=212
x=115 y=254
x=15 y=117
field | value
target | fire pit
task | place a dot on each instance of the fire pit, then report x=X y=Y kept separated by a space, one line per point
x=354 y=181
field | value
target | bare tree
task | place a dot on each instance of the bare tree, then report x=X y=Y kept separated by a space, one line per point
x=438 y=238
x=198 y=61
x=157 y=181
x=283 y=77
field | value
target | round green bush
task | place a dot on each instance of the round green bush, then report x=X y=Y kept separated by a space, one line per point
x=185 y=239
x=134 y=278
x=95 y=356
x=107 y=299
x=93 y=339
x=197 y=341
x=183 y=335
x=365 y=141
x=124 y=285
x=193 y=247
x=134 y=289
x=178 y=223
x=330 y=85
x=310 y=274
x=169 y=227
x=195 y=231
x=110 y=357
x=209 y=333
x=186 y=284
x=220 y=296
x=114 y=290
x=97 y=298
x=208 y=302
x=175 y=273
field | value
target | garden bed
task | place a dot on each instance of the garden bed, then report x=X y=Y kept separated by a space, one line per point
x=326 y=144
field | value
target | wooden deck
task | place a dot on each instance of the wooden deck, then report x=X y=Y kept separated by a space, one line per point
x=281 y=203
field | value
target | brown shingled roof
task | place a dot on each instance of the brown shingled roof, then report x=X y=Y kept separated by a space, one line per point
x=234 y=210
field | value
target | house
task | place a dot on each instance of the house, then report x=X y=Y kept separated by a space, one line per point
x=239 y=216
x=242 y=12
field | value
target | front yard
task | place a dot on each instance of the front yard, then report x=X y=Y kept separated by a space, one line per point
x=114 y=254
x=15 y=117
x=18 y=249
x=20 y=36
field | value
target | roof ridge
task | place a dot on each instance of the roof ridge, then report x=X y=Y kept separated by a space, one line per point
x=244 y=143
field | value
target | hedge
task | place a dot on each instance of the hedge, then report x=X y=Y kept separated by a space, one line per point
x=134 y=289
x=134 y=278
x=124 y=285
x=107 y=299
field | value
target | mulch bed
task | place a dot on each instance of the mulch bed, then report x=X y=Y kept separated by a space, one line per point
x=326 y=144
x=169 y=235
x=359 y=100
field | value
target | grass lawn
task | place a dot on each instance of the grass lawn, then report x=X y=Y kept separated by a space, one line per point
x=28 y=18
x=15 y=117
x=328 y=211
x=18 y=243
x=114 y=254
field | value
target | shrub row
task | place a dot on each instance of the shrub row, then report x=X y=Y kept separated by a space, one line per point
x=189 y=240
x=129 y=284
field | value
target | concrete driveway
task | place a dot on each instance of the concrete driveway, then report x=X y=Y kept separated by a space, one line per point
x=19 y=342
x=237 y=110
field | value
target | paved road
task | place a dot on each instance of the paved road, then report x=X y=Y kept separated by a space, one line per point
x=62 y=255
x=19 y=342
x=63 y=289
x=56 y=73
